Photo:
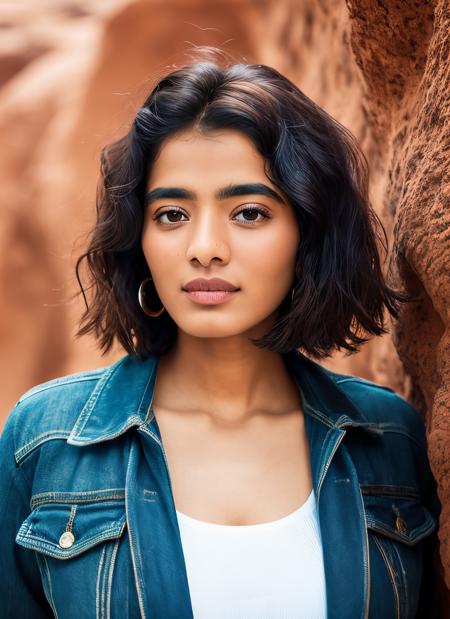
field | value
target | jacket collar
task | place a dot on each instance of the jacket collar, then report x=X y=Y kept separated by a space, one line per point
x=122 y=397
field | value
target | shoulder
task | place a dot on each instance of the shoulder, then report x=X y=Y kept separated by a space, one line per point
x=63 y=384
x=402 y=433
x=381 y=405
x=49 y=410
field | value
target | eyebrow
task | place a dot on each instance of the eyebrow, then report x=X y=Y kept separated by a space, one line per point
x=230 y=191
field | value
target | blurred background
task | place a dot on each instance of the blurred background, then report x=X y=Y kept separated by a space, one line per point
x=72 y=75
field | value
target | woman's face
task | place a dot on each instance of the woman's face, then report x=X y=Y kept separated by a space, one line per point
x=191 y=231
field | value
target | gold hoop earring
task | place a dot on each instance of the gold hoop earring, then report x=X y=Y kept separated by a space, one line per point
x=141 y=295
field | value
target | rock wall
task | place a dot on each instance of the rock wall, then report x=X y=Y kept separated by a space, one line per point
x=73 y=73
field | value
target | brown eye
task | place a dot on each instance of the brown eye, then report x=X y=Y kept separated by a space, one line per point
x=251 y=215
x=172 y=215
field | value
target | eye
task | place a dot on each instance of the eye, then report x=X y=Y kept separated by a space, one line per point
x=169 y=212
x=254 y=211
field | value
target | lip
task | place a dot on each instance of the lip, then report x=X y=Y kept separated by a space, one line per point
x=209 y=297
x=215 y=284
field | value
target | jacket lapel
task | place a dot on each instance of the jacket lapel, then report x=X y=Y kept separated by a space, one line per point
x=329 y=415
x=342 y=523
x=157 y=553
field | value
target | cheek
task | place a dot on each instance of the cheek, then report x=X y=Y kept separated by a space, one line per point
x=273 y=277
x=275 y=252
x=269 y=265
x=159 y=254
x=161 y=263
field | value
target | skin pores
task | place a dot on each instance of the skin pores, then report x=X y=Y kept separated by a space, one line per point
x=210 y=237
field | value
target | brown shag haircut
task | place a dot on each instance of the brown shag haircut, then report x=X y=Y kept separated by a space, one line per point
x=340 y=290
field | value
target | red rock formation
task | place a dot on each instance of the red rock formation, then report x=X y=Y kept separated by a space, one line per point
x=405 y=71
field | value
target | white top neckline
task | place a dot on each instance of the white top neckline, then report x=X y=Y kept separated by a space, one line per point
x=305 y=509
x=272 y=569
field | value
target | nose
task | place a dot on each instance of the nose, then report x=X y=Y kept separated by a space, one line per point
x=208 y=239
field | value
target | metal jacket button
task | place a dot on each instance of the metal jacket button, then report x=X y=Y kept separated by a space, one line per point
x=400 y=524
x=67 y=539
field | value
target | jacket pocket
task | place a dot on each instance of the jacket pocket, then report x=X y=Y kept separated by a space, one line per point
x=397 y=521
x=64 y=530
x=75 y=537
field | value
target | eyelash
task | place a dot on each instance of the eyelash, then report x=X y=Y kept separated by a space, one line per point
x=259 y=209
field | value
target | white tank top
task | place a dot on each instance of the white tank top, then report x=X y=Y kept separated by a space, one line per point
x=272 y=570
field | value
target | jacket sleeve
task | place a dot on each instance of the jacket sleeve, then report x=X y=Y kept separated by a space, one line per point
x=21 y=591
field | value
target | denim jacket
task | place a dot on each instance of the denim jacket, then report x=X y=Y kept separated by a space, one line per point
x=88 y=521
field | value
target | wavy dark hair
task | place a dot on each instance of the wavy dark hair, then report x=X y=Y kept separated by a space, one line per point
x=340 y=289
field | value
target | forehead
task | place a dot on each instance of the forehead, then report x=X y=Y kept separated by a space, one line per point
x=190 y=153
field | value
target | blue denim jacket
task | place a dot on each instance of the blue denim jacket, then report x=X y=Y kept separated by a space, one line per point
x=88 y=520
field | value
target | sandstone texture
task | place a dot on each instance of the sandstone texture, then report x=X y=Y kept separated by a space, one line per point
x=73 y=73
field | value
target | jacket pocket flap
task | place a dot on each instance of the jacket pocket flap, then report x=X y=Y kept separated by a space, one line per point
x=64 y=530
x=404 y=519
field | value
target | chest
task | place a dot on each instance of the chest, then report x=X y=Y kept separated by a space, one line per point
x=237 y=476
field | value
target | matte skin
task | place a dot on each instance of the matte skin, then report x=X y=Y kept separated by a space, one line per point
x=230 y=414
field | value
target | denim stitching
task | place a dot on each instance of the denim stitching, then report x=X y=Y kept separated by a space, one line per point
x=73 y=511
x=150 y=433
x=97 y=586
x=77 y=440
x=329 y=457
x=153 y=493
x=117 y=497
x=103 y=580
x=366 y=553
x=43 y=546
x=389 y=426
x=370 y=426
x=390 y=570
x=37 y=440
x=145 y=390
x=87 y=542
x=137 y=568
x=26 y=526
x=400 y=428
x=42 y=498
x=110 y=576
x=138 y=551
x=58 y=381
x=148 y=419
x=315 y=413
x=345 y=421
x=77 y=492
x=87 y=409
x=322 y=454
x=409 y=540
x=35 y=541
x=390 y=490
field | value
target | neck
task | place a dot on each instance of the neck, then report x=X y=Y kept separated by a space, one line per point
x=227 y=379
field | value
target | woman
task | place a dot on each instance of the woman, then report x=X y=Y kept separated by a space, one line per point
x=215 y=470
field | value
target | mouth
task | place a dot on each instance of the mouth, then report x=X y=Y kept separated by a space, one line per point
x=209 y=291
x=210 y=297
